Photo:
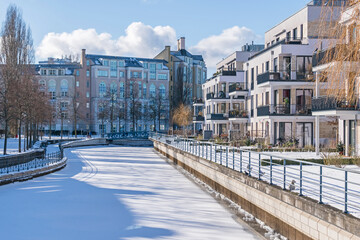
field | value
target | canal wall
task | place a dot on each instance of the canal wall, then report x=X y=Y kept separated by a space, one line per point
x=293 y=216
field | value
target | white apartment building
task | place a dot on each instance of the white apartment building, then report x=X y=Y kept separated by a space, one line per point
x=346 y=113
x=224 y=110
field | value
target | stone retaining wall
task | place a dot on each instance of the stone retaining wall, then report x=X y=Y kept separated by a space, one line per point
x=292 y=216
x=84 y=143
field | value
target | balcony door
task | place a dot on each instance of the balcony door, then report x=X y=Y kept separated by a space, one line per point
x=286 y=68
x=303 y=100
x=304 y=134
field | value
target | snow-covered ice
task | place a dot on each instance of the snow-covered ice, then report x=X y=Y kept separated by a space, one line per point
x=114 y=193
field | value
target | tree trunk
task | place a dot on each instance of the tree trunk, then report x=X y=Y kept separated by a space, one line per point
x=6 y=136
x=19 y=136
x=61 y=130
x=75 y=127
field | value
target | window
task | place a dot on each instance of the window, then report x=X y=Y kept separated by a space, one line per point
x=113 y=69
x=52 y=72
x=303 y=67
x=87 y=84
x=295 y=33
x=159 y=66
x=145 y=75
x=102 y=73
x=63 y=106
x=77 y=84
x=87 y=63
x=106 y=62
x=77 y=73
x=135 y=74
x=87 y=94
x=102 y=89
x=60 y=72
x=301 y=31
x=162 y=76
x=144 y=90
x=288 y=36
x=121 y=64
x=275 y=64
x=42 y=84
x=87 y=105
x=152 y=90
x=162 y=91
x=64 y=88
x=121 y=89
x=146 y=65
x=139 y=90
x=122 y=74
x=152 y=71
x=43 y=72
x=152 y=76
x=113 y=88
x=87 y=73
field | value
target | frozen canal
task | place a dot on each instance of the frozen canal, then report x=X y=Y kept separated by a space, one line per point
x=114 y=193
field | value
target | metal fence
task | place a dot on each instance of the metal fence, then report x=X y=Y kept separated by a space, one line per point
x=23 y=163
x=337 y=187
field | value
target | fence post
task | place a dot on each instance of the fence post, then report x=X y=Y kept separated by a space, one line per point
x=284 y=161
x=301 y=179
x=211 y=147
x=215 y=152
x=233 y=165
x=221 y=151
x=227 y=156
x=206 y=146
x=346 y=192
x=259 y=166
x=321 y=185
x=271 y=172
x=202 y=145
x=249 y=165
x=241 y=153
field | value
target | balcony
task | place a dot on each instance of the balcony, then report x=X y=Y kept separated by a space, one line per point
x=198 y=118
x=284 y=76
x=219 y=116
x=198 y=102
x=220 y=95
x=237 y=87
x=332 y=104
x=284 y=110
x=238 y=114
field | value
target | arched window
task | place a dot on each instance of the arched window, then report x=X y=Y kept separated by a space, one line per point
x=102 y=89
x=113 y=88
x=162 y=91
x=152 y=90
x=121 y=89
x=42 y=85
x=64 y=88
x=52 y=89
x=144 y=90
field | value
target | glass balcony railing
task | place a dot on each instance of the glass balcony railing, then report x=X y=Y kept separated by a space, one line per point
x=284 y=109
x=237 y=87
x=284 y=76
x=238 y=114
x=331 y=103
x=217 y=116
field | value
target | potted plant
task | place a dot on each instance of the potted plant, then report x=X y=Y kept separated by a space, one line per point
x=340 y=148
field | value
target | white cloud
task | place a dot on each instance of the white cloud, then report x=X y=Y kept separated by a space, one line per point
x=140 y=40
x=216 y=47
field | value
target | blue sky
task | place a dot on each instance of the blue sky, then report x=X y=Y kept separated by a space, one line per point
x=197 y=20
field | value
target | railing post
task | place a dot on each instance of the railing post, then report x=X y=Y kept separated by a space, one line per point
x=259 y=166
x=233 y=164
x=211 y=147
x=284 y=186
x=227 y=156
x=206 y=156
x=215 y=152
x=271 y=172
x=241 y=153
x=301 y=178
x=321 y=185
x=249 y=165
x=346 y=193
x=202 y=146
x=221 y=151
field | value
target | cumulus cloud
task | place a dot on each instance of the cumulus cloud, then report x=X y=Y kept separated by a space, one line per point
x=216 y=47
x=139 y=40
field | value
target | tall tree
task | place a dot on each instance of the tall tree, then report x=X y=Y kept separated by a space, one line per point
x=16 y=55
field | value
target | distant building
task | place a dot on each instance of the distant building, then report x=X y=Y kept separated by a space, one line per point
x=126 y=94
x=187 y=73
x=57 y=78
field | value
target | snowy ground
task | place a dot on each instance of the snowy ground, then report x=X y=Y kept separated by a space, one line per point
x=114 y=193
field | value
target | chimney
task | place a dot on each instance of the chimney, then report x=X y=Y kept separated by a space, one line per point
x=181 y=43
x=82 y=60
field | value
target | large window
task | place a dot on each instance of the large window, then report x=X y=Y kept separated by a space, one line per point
x=64 y=88
x=122 y=74
x=162 y=91
x=303 y=67
x=102 y=89
x=162 y=76
x=144 y=90
x=139 y=90
x=152 y=90
x=113 y=69
x=52 y=89
x=152 y=71
x=103 y=73
x=121 y=89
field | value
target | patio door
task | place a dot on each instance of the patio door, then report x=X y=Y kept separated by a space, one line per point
x=304 y=134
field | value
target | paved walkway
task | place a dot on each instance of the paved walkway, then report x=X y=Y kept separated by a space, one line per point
x=114 y=193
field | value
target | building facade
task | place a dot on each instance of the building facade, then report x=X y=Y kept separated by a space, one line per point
x=126 y=94
x=187 y=74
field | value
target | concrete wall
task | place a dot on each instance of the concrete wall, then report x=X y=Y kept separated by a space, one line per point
x=87 y=142
x=293 y=216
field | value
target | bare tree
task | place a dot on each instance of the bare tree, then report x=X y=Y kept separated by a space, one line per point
x=133 y=103
x=182 y=86
x=182 y=116
x=158 y=110
x=16 y=55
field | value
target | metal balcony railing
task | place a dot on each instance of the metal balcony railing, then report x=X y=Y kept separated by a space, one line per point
x=237 y=87
x=284 y=109
x=238 y=114
x=220 y=95
x=217 y=116
x=198 y=118
x=330 y=103
x=284 y=75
